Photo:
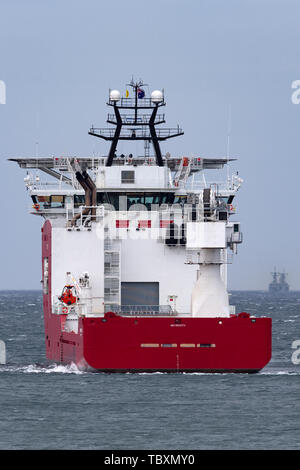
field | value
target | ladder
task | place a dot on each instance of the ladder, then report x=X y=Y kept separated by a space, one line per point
x=183 y=172
x=147 y=148
x=112 y=272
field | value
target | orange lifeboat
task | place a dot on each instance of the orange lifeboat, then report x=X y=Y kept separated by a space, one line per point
x=67 y=296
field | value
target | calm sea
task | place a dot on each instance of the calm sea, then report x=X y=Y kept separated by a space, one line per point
x=46 y=406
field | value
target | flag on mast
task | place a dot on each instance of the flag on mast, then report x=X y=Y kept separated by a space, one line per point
x=140 y=93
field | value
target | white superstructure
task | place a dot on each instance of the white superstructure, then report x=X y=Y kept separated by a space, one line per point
x=136 y=234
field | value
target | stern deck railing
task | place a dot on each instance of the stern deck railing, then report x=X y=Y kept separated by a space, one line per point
x=142 y=310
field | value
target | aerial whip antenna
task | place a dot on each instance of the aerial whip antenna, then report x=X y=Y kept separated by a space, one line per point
x=228 y=140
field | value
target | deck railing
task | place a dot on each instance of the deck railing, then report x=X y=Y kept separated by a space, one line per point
x=142 y=310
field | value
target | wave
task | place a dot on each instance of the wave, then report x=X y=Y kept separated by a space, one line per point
x=43 y=369
x=280 y=372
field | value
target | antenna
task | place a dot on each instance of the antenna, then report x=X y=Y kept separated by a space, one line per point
x=228 y=140
x=37 y=122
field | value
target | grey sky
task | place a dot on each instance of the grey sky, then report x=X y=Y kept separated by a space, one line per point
x=59 y=58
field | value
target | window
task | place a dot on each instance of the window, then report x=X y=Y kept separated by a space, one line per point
x=49 y=202
x=44 y=202
x=135 y=198
x=127 y=176
x=151 y=199
x=123 y=201
x=222 y=215
x=158 y=198
x=102 y=198
x=57 y=201
x=180 y=199
x=79 y=200
x=113 y=199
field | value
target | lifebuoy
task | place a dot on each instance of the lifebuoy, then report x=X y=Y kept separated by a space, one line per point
x=36 y=207
x=65 y=310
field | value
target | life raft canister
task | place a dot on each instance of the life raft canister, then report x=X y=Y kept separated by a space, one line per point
x=67 y=296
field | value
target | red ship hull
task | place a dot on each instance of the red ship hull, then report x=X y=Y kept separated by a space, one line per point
x=168 y=344
x=118 y=344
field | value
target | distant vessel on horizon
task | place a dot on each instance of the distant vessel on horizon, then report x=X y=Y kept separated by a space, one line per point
x=279 y=283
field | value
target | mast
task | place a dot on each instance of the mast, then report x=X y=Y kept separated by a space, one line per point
x=275 y=276
x=141 y=125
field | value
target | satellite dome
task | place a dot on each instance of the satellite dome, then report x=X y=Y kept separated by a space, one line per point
x=114 y=95
x=157 y=96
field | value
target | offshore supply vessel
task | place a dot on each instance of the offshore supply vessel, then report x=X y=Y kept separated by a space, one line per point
x=134 y=254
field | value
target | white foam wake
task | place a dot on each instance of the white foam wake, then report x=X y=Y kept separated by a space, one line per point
x=279 y=372
x=43 y=369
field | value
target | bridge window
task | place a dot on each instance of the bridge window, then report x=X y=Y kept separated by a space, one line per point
x=147 y=199
x=180 y=199
x=49 y=202
x=135 y=198
x=57 y=201
x=79 y=200
x=44 y=202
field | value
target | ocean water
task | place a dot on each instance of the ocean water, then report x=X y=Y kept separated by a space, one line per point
x=50 y=406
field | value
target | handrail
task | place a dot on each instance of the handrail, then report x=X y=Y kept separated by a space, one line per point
x=132 y=103
x=142 y=310
x=84 y=218
x=129 y=119
x=109 y=133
